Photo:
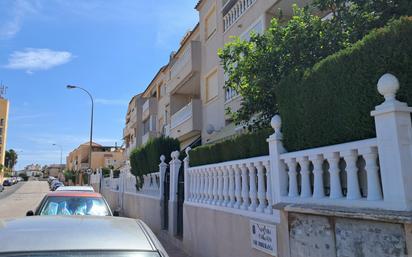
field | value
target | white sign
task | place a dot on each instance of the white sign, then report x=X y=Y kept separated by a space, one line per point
x=263 y=237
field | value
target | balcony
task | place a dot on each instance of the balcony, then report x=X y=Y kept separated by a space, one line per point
x=149 y=107
x=187 y=63
x=187 y=121
x=233 y=10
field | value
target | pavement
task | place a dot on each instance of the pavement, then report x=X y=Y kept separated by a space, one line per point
x=24 y=197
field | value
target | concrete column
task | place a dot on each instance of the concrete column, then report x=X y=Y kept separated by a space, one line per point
x=186 y=161
x=174 y=173
x=278 y=177
x=393 y=133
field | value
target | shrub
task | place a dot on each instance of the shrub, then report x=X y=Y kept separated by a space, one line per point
x=331 y=102
x=243 y=146
x=106 y=172
x=69 y=175
x=146 y=159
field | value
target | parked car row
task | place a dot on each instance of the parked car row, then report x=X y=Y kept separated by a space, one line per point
x=10 y=181
x=54 y=183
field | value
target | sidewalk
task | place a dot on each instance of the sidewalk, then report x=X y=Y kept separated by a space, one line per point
x=172 y=250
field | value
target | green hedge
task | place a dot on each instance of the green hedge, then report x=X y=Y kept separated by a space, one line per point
x=146 y=158
x=331 y=103
x=240 y=147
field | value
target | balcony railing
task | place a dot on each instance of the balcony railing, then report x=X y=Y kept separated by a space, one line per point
x=237 y=10
x=181 y=116
x=145 y=106
x=181 y=62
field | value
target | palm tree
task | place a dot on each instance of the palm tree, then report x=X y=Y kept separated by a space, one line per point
x=11 y=158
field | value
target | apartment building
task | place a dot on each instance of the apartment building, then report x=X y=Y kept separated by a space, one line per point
x=4 y=114
x=187 y=99
x=133 y=131
x=102 y=156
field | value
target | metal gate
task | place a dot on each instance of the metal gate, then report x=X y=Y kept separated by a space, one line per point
x=180 y=200
x=166 y=197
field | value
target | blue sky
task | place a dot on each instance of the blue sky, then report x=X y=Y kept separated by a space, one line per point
x=113 y=48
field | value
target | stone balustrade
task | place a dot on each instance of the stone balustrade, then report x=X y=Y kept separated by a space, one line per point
x=242 y=184
x=235 y=12
x=151 y=184
x=345 y=172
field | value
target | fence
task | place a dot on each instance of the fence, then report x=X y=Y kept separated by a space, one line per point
x=371 y=173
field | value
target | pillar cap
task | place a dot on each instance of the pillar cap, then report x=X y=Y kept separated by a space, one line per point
x=388 y=86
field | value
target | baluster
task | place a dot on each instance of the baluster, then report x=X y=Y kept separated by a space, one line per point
x=202 y=185
x=156 y=186
x=261 y=187
x=335 y=185
x=192 y=185
x=252 y=187
x=318 y=187
x=205 y=186
x=268 y=209
x=220 y=186
x=293 y=183
x=215 y=186
x=197 y=185
x=231 y=186
x=245 y=187
x=238 y=188
x=225 y=186
x=350 y=158
x=304 y=171
x=370 y=155
x=210 y=189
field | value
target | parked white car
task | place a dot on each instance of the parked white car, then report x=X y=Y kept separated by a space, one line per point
x=76 y=188
x=73 y=236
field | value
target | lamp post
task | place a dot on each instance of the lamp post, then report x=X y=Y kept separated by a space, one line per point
x=91 y=126
x=61 y=156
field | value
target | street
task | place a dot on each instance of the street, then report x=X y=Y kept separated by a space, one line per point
x=20 y=198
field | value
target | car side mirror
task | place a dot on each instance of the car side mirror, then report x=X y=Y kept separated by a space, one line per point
x=30 y=213
x=116 y=213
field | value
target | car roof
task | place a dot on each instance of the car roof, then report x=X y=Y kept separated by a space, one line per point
x=76 y=188
x=74 y=193
x=60 y=233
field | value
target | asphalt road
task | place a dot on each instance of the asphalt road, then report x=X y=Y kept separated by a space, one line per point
x=23 y=197
x=8 y=190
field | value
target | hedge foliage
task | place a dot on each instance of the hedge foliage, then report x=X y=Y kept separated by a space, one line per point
x=331 y=102
x=146 y=158
x=243 y=146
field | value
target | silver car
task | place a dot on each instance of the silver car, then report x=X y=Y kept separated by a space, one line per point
x=89 y=236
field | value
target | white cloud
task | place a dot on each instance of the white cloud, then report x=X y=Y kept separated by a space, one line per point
x=104 y=101
x=11 y=24
x=32 y=59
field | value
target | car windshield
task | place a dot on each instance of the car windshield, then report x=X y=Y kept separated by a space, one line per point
x=74 y=206
x=87 y=254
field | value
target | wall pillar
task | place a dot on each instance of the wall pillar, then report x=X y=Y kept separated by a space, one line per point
x=174 y=174
x=186 y=172
x=277 y=176
x=393 y=133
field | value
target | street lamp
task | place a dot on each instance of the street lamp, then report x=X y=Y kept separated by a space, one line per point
x=91 y=125
x=61 y=156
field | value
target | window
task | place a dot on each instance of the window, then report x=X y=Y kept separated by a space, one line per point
x=257 y=28
x=1 y=122
x=146 y=126
x=210 y=22
x=212 y=86
x=1 y=131
x=1 y=140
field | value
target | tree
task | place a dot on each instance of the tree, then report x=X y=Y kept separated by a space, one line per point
x=11 y=159
x=254 y=68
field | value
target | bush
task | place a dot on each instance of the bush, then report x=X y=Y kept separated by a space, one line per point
x=69 y=175
x=243 y=146
x=106 y=172
x=146 y=159
x=331 y=102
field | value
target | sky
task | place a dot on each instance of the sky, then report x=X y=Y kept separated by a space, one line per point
x=112 y=48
